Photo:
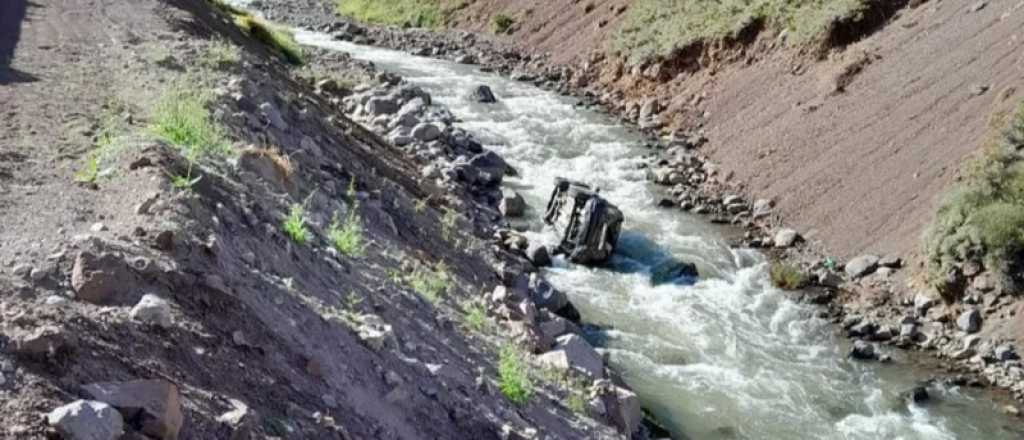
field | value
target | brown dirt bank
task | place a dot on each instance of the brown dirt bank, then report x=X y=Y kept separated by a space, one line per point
x=854 y=149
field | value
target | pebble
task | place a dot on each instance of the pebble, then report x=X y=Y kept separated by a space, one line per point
x=98 y=227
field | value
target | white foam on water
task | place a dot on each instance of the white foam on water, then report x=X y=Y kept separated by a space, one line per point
x=727 y=357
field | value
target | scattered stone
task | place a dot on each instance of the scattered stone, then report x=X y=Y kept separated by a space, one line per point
x=426 y=132
x=922 y=303
x=785 y=238
x=98 y=227
x=466 y=59
x=546 y=296
x=99 y=279
x=978 y=6
x=622 y=408
x=22 y=270
x=762 y=207
x=377 y=106
x=891 y=261
x=571 y=352
x=919 y=394
x=512 y=203
x=863 y=351
x=273 y=116
x=55 y=300
x=151 y=406
x=42 y=341
x=861 y=266
x=1005 y=352
x=969 y=321
x=538 y=254
x=40 y=273
x=153 y=310
x=143 y=207
x=483 y=94
x=375 y=333
x=87 y=420
x=673 y=271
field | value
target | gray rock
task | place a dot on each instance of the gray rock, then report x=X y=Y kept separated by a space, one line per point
x=919 y=394
x=87 y=420
x=512 y=204
x=426 y=132
x=375 y=333
x=555 y=326
x=545 y=295
x=785 y=238
x=538 y=254
x=572 y=353
x=863 y=351
x=483 y=94
x=673 y=270
x=922 y=303
x=400 y=140
x=466 y=59
x=492 y=164
x=153 y=310
x=891 y=261
x=379 y=105
x=1004 y=353
x=762 y=207
x=969 y=321
x=40 y=273
x=100 y=279
x=622 y=408
x=861 y=266
x=41 y=341
x=154 y=406
x=22 y=270
x=650 y=109
x=55 y=300
x=273 y=116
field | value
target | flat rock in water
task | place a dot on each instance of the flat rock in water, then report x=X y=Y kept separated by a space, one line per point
x=674 y=271
x=483 y=94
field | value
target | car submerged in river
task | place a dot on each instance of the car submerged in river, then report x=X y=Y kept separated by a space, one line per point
x=588 y=223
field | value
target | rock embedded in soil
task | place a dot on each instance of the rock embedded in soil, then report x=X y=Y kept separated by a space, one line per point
x=100 y=279
x=152 y=406
x=785 y=238
x=48 y=340
x=573 y=353
x=87 y=420
x=861 y=266
x=969 y=321
x=153 y=310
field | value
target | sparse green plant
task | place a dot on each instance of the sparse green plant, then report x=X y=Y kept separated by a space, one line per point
x=501 y=23
x=786 y=276
x=982 y=218
x=576 y=388
x=405 y=13
x=658 y=27
x=514 y=380
x=449 y=221
x=295 y=224
x=279 y=40
x=182 y=119
x=474 y=316
x=430 y=283
x=420 y=206
x=89 y=171
x=220 y=54
x=347 y=235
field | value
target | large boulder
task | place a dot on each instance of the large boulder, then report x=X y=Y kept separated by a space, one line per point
x=622 y=407
x=588 y=224
x=673 y=271
x=573 y=353
x=483 y=94
x=512 y=204
x=546 y=296
x=969 y=321
x=87 y=420
x=381 y=105
x=151 y=406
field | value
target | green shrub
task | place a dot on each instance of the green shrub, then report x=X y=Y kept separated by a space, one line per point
x=431 y=284
x=347 y=235
x=405 y=13
x=295 y=224
x=982 y=218
x=786 y=276
x=514 y=376
x=501 y=23
x=657 y=27
x=182 y=119
x=475 y=316
x=279 y=40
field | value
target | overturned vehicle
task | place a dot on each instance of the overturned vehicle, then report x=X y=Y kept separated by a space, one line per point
x=589 y=224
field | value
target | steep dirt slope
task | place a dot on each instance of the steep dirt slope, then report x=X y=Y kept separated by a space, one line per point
x=261 y=336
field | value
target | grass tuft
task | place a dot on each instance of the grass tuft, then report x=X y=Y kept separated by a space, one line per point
x=514 y=375
x=405 y=13
x=475 y=316
x=786 y=276
x=501 y=23
x=654 y=28
x=278 y=39
x=182 y=119
x=429 y=283
x=982 y=218
x=347 y=236
x=220 y=55
x=294 y=225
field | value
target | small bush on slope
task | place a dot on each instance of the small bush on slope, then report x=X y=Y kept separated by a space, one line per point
x=982 y=218
x=514 y=375
x=657 y=27
x=181 y=118
x=786 y=276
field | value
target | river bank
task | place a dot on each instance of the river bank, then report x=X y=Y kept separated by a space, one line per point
x=872 y=300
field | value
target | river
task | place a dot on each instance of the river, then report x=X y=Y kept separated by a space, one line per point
x=730 y=357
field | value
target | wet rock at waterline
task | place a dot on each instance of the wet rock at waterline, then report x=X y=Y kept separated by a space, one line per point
x=674 y=271
x=483 y=94
x=863 y=351
x=588 y=224
x=572 y=353
x=512 y=204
